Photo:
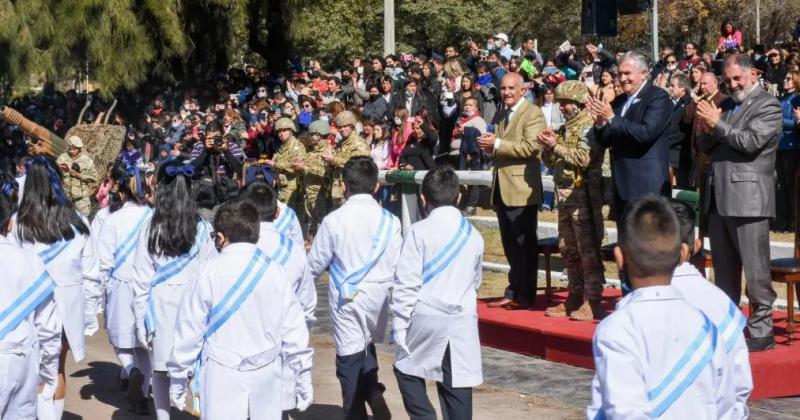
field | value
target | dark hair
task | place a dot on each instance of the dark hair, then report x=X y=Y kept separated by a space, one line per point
x=129 y=188
x=265 y=199
x=6 y=211
x=214 y=125
x=360 y=175
x=650 y=237
x=724 y=24
x=42 y=216
x=173 y=228
x=9 y=187
x=238 y=221
x=440 y=187
x=686 y=217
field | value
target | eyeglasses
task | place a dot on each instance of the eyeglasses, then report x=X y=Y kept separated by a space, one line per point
x=671 y=61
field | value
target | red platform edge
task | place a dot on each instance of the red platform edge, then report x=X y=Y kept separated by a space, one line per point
x=530 y=333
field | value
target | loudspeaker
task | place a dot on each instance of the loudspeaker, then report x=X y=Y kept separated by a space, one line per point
x=633 y=7
x=599 y=17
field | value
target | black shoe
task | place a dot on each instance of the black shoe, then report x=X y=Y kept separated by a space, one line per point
x=141 y=407
x=135 y=394
x=380 y=410
x=761 y=344
x=123 y=385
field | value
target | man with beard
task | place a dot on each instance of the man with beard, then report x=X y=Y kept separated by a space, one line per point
x=740 y=197
x=576 y=159
x=376 y=107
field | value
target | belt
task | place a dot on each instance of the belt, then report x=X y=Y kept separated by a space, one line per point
x=234 y=360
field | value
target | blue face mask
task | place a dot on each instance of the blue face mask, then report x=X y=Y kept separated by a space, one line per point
x=304 y=118
x=484 y=79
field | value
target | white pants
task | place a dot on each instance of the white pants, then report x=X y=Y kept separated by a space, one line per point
x=238 y=395
x=19 y=382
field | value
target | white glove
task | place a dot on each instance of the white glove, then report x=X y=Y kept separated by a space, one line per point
x=177 y=392
x=304 y=391
x=399 y=340
x=48 y=390
x=90 y=324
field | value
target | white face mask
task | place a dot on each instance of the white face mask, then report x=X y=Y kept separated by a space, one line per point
x=261 y=94
x=338 y=137
x=397 y=121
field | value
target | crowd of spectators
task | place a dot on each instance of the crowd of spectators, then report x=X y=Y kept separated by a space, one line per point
x=416 y=111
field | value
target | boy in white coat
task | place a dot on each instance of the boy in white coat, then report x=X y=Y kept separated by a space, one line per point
x=434 y=297
x=359 y=244
x=239 y=318
x=291 y=256
x=657 y=356
x=30 y=329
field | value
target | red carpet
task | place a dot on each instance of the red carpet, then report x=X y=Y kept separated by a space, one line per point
x=570 y=342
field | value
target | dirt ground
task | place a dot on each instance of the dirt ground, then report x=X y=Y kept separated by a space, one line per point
x=93 y=391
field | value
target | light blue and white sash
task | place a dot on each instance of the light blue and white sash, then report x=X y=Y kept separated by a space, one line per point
x=168 y=271
x=686 y=370
x=237 y=294
x=347 y=283
x=731 y=327
x=127 y=246
x=26 y=303
x=446 y=255
x=54 y=250
x=283 y=252
x=285 y=220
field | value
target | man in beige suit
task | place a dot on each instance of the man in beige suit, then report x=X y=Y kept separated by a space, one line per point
x=517 y=188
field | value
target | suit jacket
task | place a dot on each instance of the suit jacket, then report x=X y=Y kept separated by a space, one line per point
x=742 y=148
x=639 y=143
x=516 y=164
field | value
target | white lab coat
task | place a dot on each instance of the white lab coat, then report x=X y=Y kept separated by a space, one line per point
x=346 y=236
x=93 y=284
x=66 y=269
x=730 y=323
x=288 y=224
x=659 y=356
x=241 y=370
x=292 y=257
x=443 y=310
x=167 y=295
x=119 y=226
x=29 y=346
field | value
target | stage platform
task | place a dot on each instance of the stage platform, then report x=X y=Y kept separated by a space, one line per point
x=561 y=340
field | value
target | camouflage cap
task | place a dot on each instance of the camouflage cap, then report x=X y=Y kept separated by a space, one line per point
x=573 y=90
x=346 y=118
x=285 y=124
x=320 y=127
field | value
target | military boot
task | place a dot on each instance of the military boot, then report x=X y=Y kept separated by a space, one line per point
x=561 y=310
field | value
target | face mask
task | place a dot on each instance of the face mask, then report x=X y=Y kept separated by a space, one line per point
x=324 y=118
x=261 y=94
x=397 y=121
x=549 y=70
x=484 y=79
x=338 y=137
x=176 y=124
x=672 y=66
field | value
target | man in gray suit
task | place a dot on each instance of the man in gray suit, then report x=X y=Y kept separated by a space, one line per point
x=740 y=199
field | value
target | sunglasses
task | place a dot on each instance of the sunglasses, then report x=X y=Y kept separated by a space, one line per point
x=671 y=62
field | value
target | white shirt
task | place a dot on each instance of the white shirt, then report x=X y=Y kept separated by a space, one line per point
x=268 y=324
x=631 y=99
x=510 y=116
x=288 y=224
x=656 y=356
x=442 y=310
x=730 y=323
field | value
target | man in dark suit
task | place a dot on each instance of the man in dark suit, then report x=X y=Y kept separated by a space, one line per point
x=517 y=188
x=680 y=131
x=740 y=198
x=634 y=127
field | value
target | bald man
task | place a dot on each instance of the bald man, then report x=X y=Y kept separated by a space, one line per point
x=516 y=188
x=709 y=90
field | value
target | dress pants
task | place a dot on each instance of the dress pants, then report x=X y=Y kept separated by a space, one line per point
x=519 y=237
x=743 y=242
x=786 y=165
x=456 y=403
x=358 y=376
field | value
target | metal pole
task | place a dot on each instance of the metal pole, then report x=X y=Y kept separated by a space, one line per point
x=758 y=21
x=655 y=30
x=388 y=27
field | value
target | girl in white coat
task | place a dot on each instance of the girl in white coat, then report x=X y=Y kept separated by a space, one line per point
x=171 y=247
x=115 y=248
x=48 y=224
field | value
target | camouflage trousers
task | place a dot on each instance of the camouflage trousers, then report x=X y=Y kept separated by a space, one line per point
x=316 y=207
x=293 y=197
x=579 y=242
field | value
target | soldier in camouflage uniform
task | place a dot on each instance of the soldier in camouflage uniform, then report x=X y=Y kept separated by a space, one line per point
x=80 y=175
x=289 y=179
x=352 y=145
x=316 y=174
x=576 y=160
